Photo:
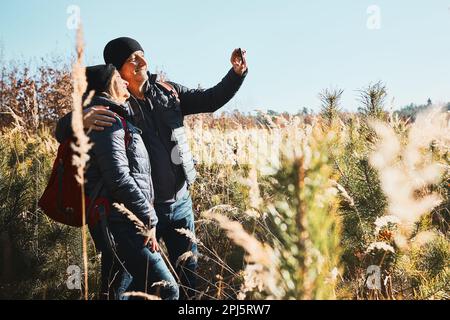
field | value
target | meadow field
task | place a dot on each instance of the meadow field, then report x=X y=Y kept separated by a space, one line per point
x=323 y=205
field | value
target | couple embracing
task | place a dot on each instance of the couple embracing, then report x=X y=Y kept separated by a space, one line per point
x=140 y=157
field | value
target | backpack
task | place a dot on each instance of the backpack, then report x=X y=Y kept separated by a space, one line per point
x=61 y=200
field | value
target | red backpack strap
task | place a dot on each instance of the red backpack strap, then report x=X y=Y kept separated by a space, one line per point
x=127 y=133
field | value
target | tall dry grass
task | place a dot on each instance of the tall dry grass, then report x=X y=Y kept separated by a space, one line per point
x=81 y=146
x=287 y=207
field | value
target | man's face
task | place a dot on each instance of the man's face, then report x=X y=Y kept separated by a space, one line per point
x=134 y=70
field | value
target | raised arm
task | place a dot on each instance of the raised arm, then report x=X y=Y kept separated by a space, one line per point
x=194 y=101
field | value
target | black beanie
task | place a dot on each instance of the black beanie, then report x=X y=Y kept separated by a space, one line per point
x=99 y=78
x=117 y=51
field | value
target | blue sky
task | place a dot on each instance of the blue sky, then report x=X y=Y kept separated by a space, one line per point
x=295 y=48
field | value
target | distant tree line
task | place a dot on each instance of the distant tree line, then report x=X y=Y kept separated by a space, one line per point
x=411 y=110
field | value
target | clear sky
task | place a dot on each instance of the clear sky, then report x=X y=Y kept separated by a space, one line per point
x=295 y=48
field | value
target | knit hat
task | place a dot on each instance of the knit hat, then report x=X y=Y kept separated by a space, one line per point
x=99 y=77
x=117 y=51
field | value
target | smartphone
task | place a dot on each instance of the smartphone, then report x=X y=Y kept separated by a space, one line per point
x=240 y=55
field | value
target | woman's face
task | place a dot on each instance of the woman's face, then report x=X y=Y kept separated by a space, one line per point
x=119 y=90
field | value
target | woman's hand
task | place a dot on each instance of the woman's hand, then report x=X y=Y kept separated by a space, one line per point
x=98 y=117
x=151 y=240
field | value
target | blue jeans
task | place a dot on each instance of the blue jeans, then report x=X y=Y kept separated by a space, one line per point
x=115 y=281
x=176 y=216
x=144 y=267
x=109 y=270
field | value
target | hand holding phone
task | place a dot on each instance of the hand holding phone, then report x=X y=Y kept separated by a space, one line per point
x=240 y=64
x=241 y=55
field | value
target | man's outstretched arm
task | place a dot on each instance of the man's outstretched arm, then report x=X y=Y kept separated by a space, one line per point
x=194 y=101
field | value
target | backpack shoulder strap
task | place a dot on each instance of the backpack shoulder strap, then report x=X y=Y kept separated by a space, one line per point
x=127 y=133
x=95 y=193
x=169 y=88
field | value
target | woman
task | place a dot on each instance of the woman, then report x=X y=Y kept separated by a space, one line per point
x=120 y=168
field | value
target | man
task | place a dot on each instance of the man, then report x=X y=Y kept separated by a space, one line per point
x=159 y=110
